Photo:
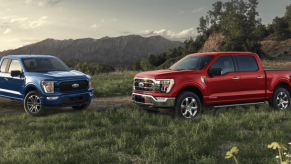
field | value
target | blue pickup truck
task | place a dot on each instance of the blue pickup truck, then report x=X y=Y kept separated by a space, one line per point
x=43 y=82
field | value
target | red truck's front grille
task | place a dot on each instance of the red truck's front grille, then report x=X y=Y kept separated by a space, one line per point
x=144 y=85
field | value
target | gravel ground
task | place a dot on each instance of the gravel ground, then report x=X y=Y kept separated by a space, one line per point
x=9 y=105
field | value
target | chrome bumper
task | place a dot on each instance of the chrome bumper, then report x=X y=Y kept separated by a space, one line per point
x=151 y=101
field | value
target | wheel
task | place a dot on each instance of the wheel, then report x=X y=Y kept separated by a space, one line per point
x=32 y=104
x=82 y=107
x=187 y=105
x=280 y=99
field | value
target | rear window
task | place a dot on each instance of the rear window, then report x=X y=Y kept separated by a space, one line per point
x=247 y=63
x=4 y=64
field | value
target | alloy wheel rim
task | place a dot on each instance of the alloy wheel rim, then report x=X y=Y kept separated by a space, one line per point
x=189 y=107
x=33 y=104
x=282 y=100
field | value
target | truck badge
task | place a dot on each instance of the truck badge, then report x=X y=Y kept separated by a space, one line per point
x=140 y=84
x=75 y=85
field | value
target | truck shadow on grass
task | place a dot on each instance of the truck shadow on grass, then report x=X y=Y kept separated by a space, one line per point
x=14 y=106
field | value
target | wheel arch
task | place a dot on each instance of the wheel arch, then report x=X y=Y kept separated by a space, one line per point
x=284 y=85
x=192 y=89
x=30 y=88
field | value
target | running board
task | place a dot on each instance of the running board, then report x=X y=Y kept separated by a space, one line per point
x=253 y=103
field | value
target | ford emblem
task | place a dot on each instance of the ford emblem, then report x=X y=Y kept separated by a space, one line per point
x=140 y=84
x=75 y=85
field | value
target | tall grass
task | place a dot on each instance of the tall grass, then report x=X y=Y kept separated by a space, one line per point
x=126 y=134
x=113 y=84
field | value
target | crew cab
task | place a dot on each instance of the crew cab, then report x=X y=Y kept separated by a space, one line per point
x=217 y=79
x=43 y=82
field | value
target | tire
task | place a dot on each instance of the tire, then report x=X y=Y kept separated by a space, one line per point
x=82 y=107
x=280 y=99
x=193 y=102
x=32 y=104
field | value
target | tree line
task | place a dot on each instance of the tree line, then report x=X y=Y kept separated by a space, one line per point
x=237 y=20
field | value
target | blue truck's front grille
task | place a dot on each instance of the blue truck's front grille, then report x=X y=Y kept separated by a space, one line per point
x=71 y=85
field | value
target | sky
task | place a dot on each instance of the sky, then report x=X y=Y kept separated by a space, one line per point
x=24 y=22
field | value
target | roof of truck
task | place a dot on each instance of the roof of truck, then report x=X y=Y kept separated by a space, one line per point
x=223 y=53
x=28 y=56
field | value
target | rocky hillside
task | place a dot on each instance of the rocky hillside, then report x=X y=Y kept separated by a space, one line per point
x=119 y=50
x=276 y=48
x=281 y=50
x=211 y=43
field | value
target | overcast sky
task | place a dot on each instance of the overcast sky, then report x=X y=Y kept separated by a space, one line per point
x=25 y=22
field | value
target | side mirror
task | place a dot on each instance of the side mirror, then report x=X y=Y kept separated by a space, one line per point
x=214 y=71
x=15 y=73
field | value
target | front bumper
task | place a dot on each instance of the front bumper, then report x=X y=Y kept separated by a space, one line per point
x=68 y=100
x=149 y=102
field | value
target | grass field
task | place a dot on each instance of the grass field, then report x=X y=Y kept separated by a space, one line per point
x=129 y=135
x=113 y=84
x=126 y=134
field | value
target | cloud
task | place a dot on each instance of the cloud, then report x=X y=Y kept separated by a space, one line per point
x=103 y=22
x=198 y=10
x=7 y=31
x=8 y=17
x=181 y=12
x=43 y=3
x=95 y=26
x=4 y=25
x=185 y=34
x=34 y=24
x=23 y=22
x=125 y=32
x=18 y=19
x=28 y=1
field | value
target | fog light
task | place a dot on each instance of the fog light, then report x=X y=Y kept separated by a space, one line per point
x=52 y=98
x=161 y=99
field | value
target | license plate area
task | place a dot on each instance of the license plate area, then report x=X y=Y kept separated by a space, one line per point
x=138 y=98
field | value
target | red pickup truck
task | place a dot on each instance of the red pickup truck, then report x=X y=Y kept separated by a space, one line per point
x=216 y=79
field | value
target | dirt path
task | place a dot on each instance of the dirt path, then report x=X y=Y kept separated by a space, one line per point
x=17 y=106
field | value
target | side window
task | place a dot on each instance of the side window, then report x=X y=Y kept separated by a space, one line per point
x=4 y=64
x=225 y=63
x=14 y=66
x=247 y=63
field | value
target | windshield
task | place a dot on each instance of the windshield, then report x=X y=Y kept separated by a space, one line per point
x=44 y=64
x=192 y=62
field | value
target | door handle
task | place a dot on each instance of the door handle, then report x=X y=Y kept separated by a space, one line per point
x=5 y=78
x=259 y=77
x=235 y=78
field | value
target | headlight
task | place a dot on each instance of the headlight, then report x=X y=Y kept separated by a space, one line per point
x=164 y=85
x=90 y=85
x=48 y=86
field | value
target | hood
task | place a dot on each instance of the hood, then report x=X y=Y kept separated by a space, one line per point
x=165 y=73
x=59 y=75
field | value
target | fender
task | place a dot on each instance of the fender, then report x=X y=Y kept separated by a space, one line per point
x=202 y=88
x=34 y=86
x=275 y=83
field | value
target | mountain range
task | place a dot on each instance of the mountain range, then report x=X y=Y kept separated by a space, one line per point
x=114 y=50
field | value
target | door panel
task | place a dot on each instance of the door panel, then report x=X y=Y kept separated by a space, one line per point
x=3 y=75
x=252 y=79
x=13 y=85
x=226 y=87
